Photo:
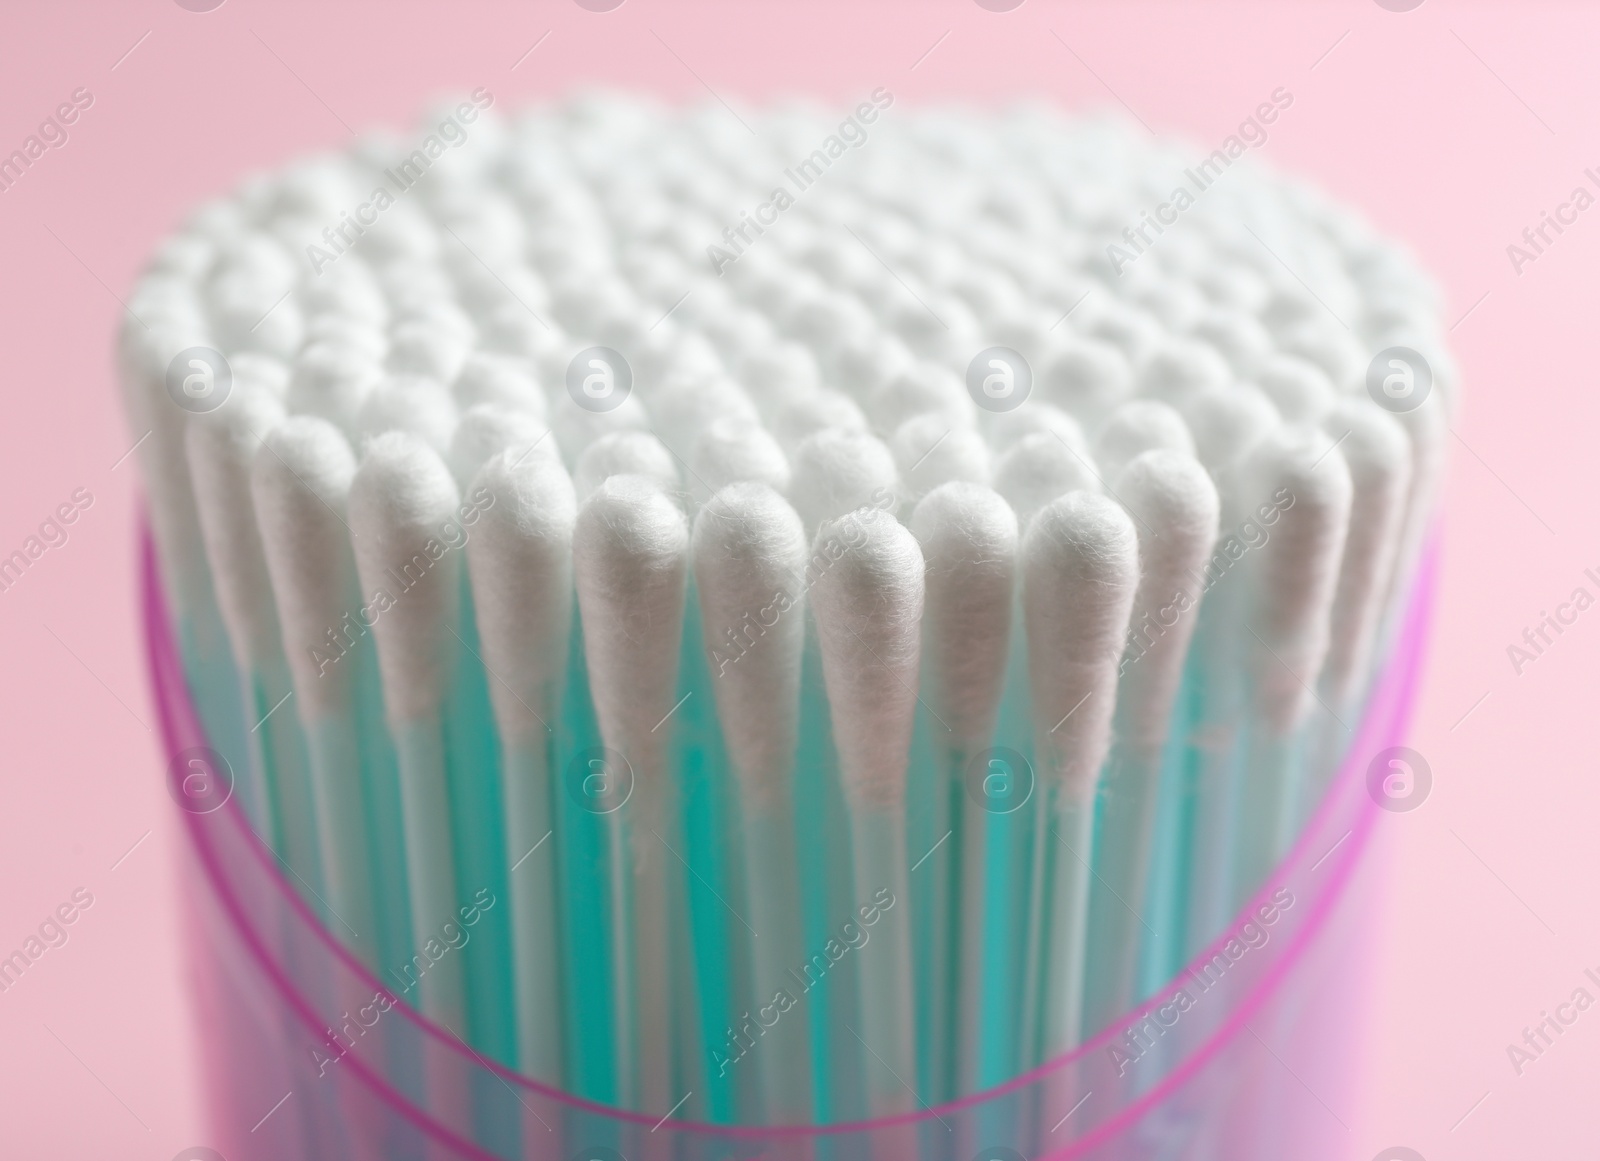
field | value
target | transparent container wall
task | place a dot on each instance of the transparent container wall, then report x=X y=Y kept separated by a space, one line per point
x=1247 y=1053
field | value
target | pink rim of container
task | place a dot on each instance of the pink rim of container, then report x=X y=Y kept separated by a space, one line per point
x=1383 y=725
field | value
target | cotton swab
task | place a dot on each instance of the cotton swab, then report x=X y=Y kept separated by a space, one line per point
x=1175 y=505
x=520 y=564
x=413 y=404
x=1291 y=595
x=625 y=453
x=749 y=552
x=630 y=559
x=1299 y=389
x=730 y=450
x=868 y=608
x=922 y=389
x=333 y=379
x=1080 y=562
x=490 y=428
x=837 y=471
x=221 y=445
x=1007 y=427
x=400 y=498
x=968 y=536
x=812 y=411
x=1088 y=378
x=147 y=355
x=1428 y=426
x=1378 y=454
x=1181 y=368
x=300 y=482
x=1139 y=426
x=929 y=453
x=816 y=366
x=1226 y=422
x=577 y=427
x=1037 y=469
x=487 y=377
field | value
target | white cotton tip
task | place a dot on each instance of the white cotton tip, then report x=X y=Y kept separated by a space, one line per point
x=317 y=186
x=731 y=450
x=488 y=429
x=413 y=404
x=520 y=560
x=968 y=536
x=483 y=291
x=1132 y=331
x=499 y=379
x=417 y=347
x=816 y=411
x=1226 y=422
x=221 y=221
x=866 y=363
x=684 y=407
x=1007 y=427
x=630 y=558
x=1378 y=453
x=221 y=445
x=1300 y=390
x=1176 y=304
x=411 y=285
x=436 y=312
x=826 y=321
x=684 y=353
x=161 y=302
x=1087 y=378
x=929 y=452
x=509 y=329
x=343 y=332
x=187 y=256
x=1296 y=572
x=1237 y=335
x=405 y=527
x=585 y=302
x=922 y=389
x=1031 y=331
x=940 y=326
x=144 y=356
x=258 y=260
x=1080 y=565
x=626 y=453
x=1233 y=285
x=403 y=233
x=249 y=315
x=749 y=554
x=347 y=289
x=837 y=471
x=868 y=601
x=992 y=294
x=300 y=483
x=1176 y=508
x=777 y=375
x=1139 y=426
x=1179 y=369
x=1038 y=468
x=258 y=372
x=1428 y=427
x=577 y=427
x=1332 y=351
x=333 y=383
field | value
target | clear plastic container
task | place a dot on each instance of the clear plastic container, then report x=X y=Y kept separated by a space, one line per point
x=1247 y=1054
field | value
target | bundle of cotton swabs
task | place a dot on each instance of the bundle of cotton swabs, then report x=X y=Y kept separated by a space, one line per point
x=817 y=615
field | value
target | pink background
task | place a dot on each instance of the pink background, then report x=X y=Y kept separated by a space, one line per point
x=1453 y=126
